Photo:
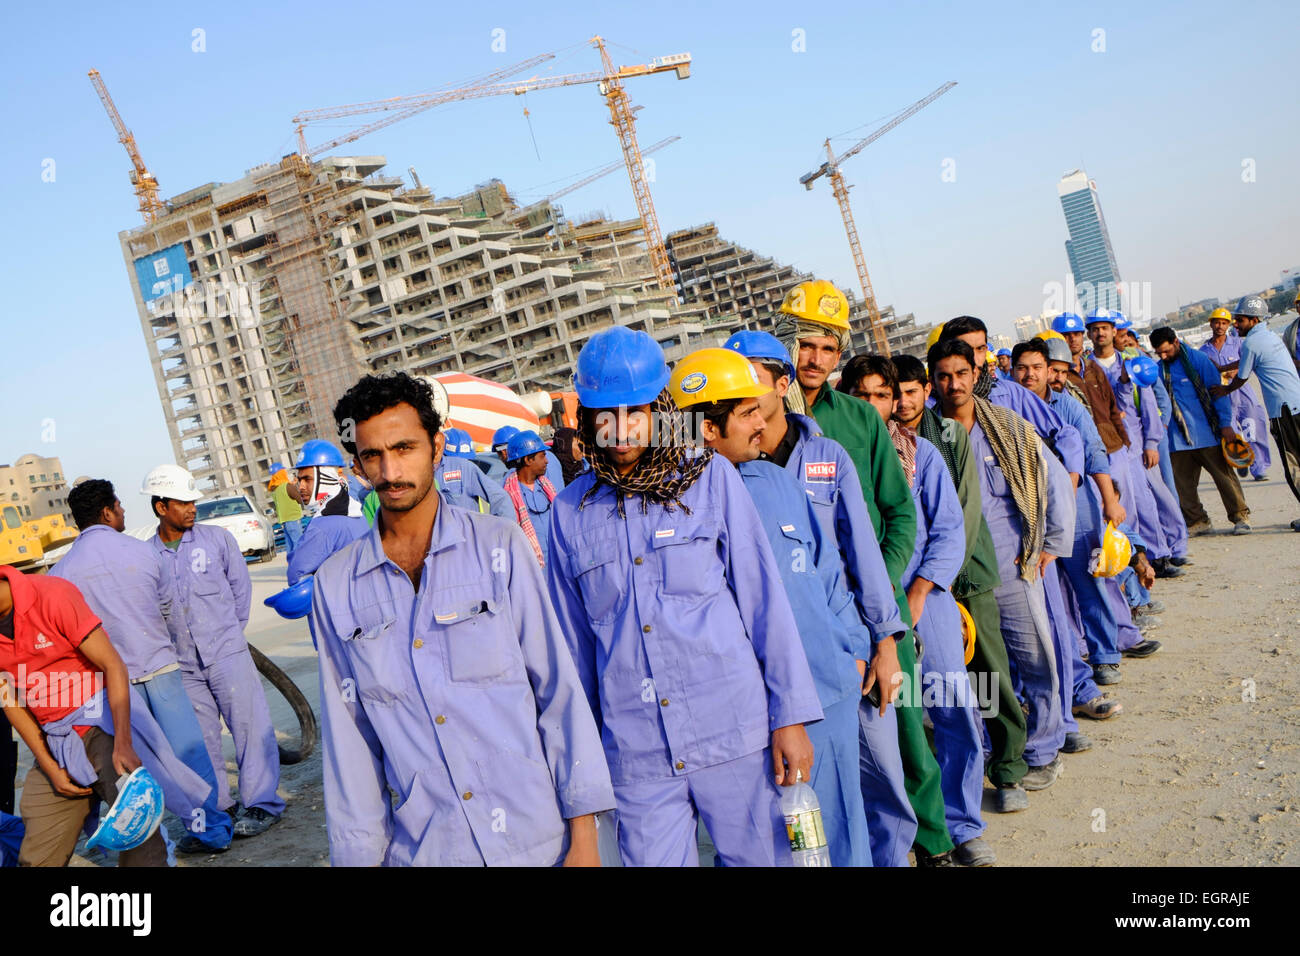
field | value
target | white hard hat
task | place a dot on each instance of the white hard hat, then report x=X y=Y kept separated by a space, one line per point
x=171 y=481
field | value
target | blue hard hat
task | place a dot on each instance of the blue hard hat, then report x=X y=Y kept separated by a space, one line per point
x=293 y=602
x=1067 y=322
x=760 y=345
x=455 y=442
x=1142 y=370
x=524 y=444
x=503 y=435
x=1002 y=352
x=134 y=816
x=276 y=469
x=1100 y=315
x=319 y=452
x=1122 y=321
x=620 y=366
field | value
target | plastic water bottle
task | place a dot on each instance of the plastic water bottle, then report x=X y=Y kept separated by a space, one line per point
x=803 y=824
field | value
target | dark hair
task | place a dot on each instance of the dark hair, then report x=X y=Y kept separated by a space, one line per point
x=88 y=500
x=155 y=501
x=860 y=366
x=1162 y=336
x=910 y=369
x=377 y=393
x=963 y=325
x=947 y=348
x=562 y=448
x=1037 y=346
x=716 y=413
x=775 y=369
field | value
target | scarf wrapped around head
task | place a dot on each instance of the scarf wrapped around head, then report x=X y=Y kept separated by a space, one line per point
x=1019 y=452
x=663 y=473
x=790 y=329
x=329 y=495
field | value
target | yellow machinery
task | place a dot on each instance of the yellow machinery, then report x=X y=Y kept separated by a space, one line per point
x=19 y=545
x=52 y=531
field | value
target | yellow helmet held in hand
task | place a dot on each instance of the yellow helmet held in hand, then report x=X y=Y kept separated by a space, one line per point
x=1220 y=313
x=967 y=632
x=1114 y=554
x=1237 y=453
x=818 y=301
x=714 y=375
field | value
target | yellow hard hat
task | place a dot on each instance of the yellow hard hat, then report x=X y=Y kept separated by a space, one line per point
x=991 y=357
x=714 y=375
x=1114 y=554
x=818 y=301
x=934 y=335
x=967 y=632
x=1050 y=334
x=1237 y=453
x=1221 y=313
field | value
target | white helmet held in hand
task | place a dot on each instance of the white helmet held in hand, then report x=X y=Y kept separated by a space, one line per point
x=171 y=481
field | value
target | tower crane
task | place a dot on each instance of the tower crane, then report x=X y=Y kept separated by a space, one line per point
x=146 y=187
x=831 y=169
x=610 y=84
x=601 y=173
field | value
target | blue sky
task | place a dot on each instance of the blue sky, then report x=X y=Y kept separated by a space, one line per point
x=1162 y=119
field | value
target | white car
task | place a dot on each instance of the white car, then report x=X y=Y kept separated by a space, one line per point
x=236 y=514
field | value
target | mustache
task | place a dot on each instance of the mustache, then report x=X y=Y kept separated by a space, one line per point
x=392 y=486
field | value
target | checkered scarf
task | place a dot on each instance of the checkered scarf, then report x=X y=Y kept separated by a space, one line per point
x=521 y=510
x=663 y=473
x=790 y=329
x=904 y=440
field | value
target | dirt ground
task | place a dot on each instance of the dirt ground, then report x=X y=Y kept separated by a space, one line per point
x=1200 y=769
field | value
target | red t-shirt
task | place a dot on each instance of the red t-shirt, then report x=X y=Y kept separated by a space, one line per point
x=42 y=662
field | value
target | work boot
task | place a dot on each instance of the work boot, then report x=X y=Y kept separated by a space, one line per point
x=1241 y=527
x=1150 y=608
x=1040 y=778
x=1106 y=674
x=974 y=853
x=1099 y=708
x=1010 y=797
x=1201 y=527
x=1145 y=624
x=1295 y=525
x=926 y=860
x=1076 y=743
x=192 y=844
x=1181 y=562
x=254 y=821
x=1142 y=649
x=1166 y=570
x=1261 y=477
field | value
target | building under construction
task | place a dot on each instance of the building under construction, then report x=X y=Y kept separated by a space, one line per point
x=262 y=300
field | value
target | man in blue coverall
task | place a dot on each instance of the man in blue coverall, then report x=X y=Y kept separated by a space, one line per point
x=669 y=595
x=719 y=390
x=337 y=518
x=444 y=674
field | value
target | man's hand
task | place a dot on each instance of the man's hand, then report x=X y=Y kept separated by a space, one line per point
x=1151 y=457
x=792 y=755
x=862 y=670
x=1227 y=434
x=583 y=842
x=1075 y=478
x=1218 y=391
x=1145 y=572
x=125 y=760
x=62 y=783
x=1044 y=559
x=1114 y=512
x=917 y=592
x=885 y=671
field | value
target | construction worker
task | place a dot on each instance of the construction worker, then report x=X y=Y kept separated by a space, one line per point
x=1003 y=370
x=126 y=586
x=1248 y=416
x=1060 y=438
x=669 y=595
x=1027 y=500
x=288 y=506
x=336 y=517
x=207 y=620
x=66 y=691
x=530 y=491
x=1079 y=604
x=813 y=325
x=1264 y=354
x=1097 y=395
x=1200 y=421
x=719 y=390
x=468 y=487
x=989 y=667
x=830 y=480
x=501 y=443
x=947 y=695
x=444 y=675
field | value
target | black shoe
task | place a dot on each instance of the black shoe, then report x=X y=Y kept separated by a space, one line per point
x=1261 y=477
x=1142 y=649
x=1010 y=797
x=192 y=844
x=924 y=859
x=1106 y=674
x=1040 y=778
x=1181 y=562
x=1166 y=570
x=1076 y=743
x=974 y=852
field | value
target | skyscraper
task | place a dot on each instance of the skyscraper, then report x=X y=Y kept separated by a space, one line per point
x=1092 y=260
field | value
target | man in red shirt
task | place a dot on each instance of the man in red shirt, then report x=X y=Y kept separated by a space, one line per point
x=54 y=660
